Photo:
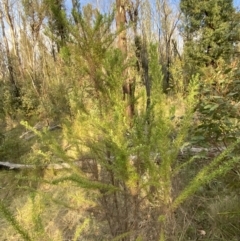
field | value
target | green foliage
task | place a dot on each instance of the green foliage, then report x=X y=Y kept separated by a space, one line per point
x=209 y=30
x=80 y=229
x=218 y=111
x=132 y=164
x=224 y=215
x=45 y=213
x=4 y=211
x=217 y=167
x=30 y=102
x=85 y=183
x=55 y=105
x=57 y=22
x=126 y=163
x=9 y=103
x=128 y=167
x=93 y=40
x=12 y=148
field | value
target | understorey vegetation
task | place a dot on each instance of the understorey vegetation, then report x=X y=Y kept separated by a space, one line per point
x=119 y=120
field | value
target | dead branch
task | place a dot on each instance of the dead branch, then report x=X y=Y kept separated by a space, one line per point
x=55 y=166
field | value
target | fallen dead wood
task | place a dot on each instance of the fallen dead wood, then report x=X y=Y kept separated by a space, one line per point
x=39 y=127
x=15 y=166
x=85 y=162
x=56 y=166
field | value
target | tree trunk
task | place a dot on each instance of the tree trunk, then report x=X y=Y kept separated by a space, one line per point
x=128 y=85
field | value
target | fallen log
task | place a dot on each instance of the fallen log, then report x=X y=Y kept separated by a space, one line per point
x=86 y=161
x=15 y=166
x=56 y=166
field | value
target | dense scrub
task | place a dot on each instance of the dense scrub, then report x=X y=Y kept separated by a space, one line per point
x=116 y=135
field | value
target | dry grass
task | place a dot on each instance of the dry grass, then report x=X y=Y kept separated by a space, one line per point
x=64 y=212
